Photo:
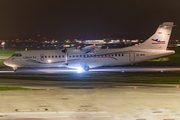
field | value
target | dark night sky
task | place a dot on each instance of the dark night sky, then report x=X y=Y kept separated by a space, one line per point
x=87 y=19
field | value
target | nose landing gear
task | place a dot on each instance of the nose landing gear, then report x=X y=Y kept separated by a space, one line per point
x=14 y=69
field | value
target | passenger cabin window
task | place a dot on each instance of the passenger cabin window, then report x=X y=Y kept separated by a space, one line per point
x=122 y=54
x=56 y=56
x=45 y=56
x=59 y=56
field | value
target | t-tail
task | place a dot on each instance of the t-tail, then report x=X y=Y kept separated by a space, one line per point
x=160 y=39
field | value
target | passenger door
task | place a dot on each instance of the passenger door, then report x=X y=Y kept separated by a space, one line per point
x=131 y=56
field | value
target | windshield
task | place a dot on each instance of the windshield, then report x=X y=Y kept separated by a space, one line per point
x=17 y=55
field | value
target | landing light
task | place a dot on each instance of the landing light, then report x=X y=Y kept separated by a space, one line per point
x=49 y=61
x=79 y=70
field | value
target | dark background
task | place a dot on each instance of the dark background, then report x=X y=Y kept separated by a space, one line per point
x=86 y=19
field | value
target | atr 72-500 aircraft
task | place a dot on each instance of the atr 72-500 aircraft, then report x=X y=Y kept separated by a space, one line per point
x=94 y=56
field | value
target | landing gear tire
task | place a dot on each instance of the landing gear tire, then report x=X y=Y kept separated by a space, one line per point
x=14 y=69
x=86 y=68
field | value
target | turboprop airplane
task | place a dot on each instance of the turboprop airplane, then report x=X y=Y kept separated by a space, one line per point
x=94 y=56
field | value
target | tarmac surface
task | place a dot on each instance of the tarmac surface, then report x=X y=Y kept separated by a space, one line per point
x=101 y=69
x=88 y=100
x=118 y=102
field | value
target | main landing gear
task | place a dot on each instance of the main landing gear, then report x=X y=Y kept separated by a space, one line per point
x=86 y=68
x=83 y=68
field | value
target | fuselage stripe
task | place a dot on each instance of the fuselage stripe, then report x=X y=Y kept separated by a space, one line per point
x=158 y=43
x=34 y=61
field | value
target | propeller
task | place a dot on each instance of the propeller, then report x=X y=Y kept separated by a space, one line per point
x=66 y=54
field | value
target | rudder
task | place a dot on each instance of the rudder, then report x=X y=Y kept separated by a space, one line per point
x=160 y=39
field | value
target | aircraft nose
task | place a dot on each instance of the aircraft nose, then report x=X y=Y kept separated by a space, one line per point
x=6 y=62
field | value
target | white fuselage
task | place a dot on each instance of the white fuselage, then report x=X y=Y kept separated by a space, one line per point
x=76 y=57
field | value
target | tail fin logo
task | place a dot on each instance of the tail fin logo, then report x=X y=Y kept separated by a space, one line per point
x=158 y=41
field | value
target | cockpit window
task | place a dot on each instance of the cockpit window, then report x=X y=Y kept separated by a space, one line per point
x=16 y=55
x=19 y=55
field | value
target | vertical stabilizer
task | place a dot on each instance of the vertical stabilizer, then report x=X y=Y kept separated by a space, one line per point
x=160 y=39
